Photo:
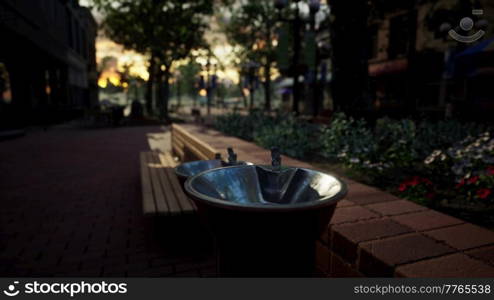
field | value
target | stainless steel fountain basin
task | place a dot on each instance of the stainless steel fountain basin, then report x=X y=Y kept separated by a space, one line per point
x=258 y=188
x=188 y=169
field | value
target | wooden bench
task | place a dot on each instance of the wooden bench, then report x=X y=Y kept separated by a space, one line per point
x=161 y=191
x=187 y=147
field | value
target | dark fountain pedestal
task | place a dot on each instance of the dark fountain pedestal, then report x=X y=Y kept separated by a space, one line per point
x=265 y=244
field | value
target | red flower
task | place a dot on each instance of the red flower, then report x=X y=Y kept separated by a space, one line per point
x=460 y=184
x=426 y=181
x=430 y=195
x=402 y=187
x=490 y=170
x=474 y=179
x=414 y=181
x=483 y=193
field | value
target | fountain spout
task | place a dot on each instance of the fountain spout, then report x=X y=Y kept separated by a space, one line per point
x=232 y=156
x=276 y=159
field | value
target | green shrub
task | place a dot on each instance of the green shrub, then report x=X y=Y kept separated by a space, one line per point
x=292 y=137
x=396 y=142
x=242 y=126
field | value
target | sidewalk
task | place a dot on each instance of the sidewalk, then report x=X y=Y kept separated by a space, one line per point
x=71 y=206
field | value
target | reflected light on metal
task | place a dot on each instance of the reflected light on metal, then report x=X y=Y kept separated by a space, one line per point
x=192 y=168
x=259 y=188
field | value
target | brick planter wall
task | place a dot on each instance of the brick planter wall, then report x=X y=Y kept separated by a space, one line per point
x=376 y=234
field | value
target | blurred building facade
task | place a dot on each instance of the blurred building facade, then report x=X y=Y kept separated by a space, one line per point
x=48 y=51
x=414 y=66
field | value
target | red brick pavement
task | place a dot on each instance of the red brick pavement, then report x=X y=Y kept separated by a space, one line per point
x=70 y=205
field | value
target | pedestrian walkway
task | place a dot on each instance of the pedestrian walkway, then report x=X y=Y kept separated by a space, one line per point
x=70 y=205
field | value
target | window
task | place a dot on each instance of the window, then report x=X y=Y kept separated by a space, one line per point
x=5 y=93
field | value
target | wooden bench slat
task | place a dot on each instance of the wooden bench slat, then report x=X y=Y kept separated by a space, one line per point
x=196 y=152
x=148 y=205
x=161 y=190
x=178 y=140
x=179 y=152
x=188 y=145
x=167 y=159
x=204 y=150
x=159 y=197
x=187 y=205
x=200 y=145
x=178 y=145
x=169 y=197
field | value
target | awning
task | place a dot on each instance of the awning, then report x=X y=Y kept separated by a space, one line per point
x=484 y=46
x=388 y=67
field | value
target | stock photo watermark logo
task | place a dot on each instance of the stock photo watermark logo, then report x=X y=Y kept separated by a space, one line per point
x=467 y=24
x=71 y=289
x=11 y=290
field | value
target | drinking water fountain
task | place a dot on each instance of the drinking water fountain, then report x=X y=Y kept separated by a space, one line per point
x=265 y=219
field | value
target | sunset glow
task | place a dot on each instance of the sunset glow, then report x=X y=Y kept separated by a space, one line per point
x=110 y=76
x=136 y=61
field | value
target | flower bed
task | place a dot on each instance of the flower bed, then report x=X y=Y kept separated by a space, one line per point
x=446 y=164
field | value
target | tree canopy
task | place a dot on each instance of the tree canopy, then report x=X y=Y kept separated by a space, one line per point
x=251 y=29
x=165 y=30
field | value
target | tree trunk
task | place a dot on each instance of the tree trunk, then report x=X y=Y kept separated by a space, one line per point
x=159 y=92
x=297 y=24
x=244 y=98
x=179 y=94
x=251 y=105
x=166 y=92
x=350 y=67
x=267 y=66
x=149 y=85
x=267 y=86
x=163 y=92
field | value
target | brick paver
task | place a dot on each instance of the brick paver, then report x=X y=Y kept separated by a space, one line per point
x=71 y=206
x=351 y=214
x=347 y=237
x=464 y=236
x=427 y=220
x=378 y=258
x=455 y=265
x=395 y=207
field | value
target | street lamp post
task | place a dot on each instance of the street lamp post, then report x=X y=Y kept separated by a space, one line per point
x=208 y=86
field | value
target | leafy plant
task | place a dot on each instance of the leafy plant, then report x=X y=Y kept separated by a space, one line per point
x=468 y=166
x=348 y=140
x=292 y=137
x=242 y=126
